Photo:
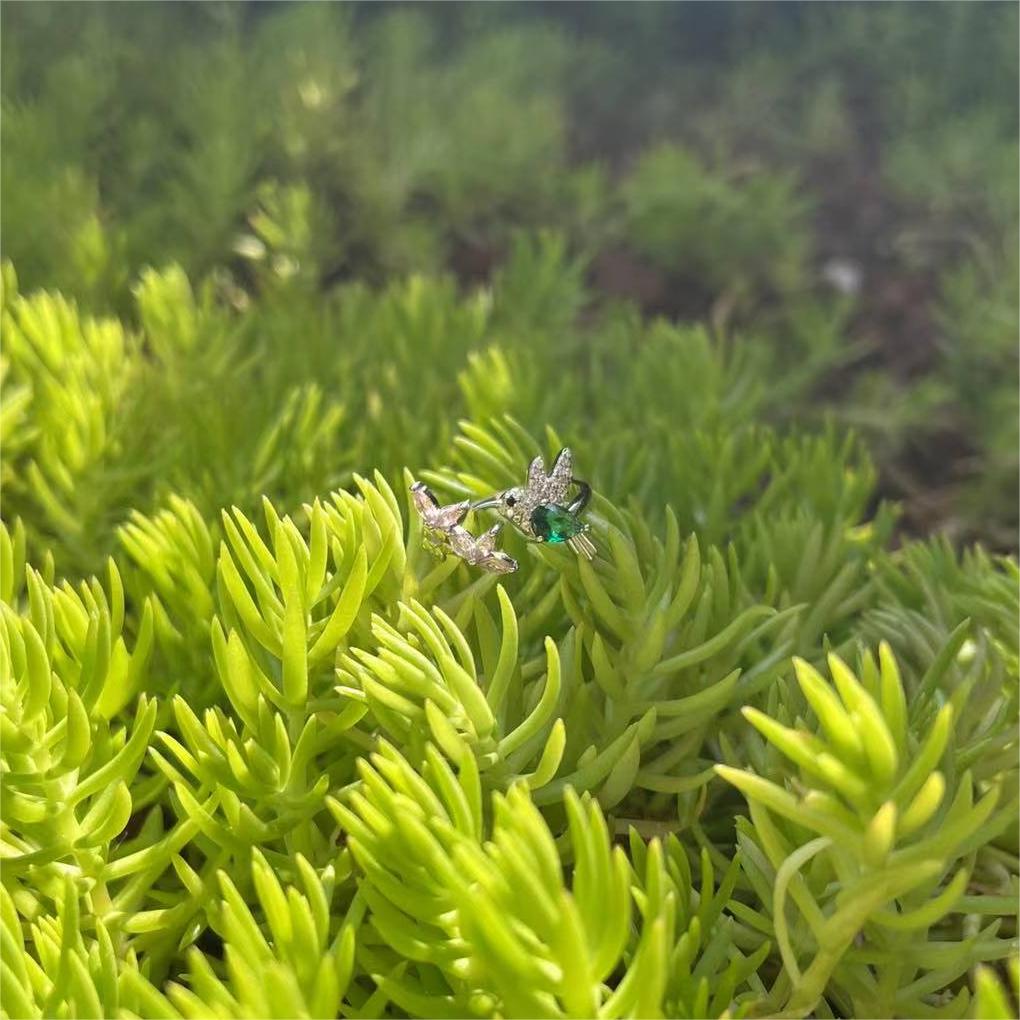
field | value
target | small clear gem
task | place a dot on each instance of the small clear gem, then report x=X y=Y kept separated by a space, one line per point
x=552 y=523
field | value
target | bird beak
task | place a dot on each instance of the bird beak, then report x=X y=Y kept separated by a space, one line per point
x=488 y=503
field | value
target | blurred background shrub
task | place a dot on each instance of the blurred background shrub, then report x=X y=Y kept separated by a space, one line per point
x=832 y=191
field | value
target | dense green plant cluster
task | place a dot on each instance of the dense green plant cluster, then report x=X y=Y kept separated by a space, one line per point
x=262 y=754
x=275 y=759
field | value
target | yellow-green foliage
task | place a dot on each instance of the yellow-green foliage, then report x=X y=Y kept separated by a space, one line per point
x=262 y=754
x=259 y=740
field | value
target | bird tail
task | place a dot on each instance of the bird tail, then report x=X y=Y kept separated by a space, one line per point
x=582 y=545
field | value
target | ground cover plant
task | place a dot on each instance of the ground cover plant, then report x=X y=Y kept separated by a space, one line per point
x=264 y=755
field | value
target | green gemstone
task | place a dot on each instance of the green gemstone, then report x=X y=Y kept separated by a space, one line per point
x=552 y=523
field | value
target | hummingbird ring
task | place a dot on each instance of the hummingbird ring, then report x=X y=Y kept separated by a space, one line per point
x=542 y=509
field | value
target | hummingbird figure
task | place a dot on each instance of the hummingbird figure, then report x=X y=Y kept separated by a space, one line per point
x=445 y=531
x=543 y=510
